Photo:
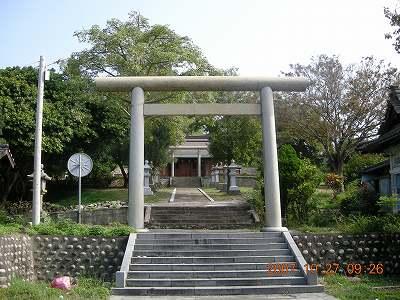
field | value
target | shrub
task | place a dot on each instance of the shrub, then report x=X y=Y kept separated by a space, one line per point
x=300 y=200
x=298 y=182
x=358 y=199
x=358 y=162
x=67 y=227
x=370 y=224
x=256 y=201
x=335 y=182
x=387 y=204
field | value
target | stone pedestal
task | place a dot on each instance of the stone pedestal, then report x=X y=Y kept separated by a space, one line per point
x=233 y=188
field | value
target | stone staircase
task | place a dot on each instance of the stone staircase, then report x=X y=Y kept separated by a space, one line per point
x=213 y=216
x=186 y=182
x=190 y=263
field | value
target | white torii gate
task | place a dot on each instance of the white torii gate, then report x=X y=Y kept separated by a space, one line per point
x=265 y=85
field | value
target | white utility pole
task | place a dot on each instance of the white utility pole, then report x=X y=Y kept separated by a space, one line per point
x=36 y=205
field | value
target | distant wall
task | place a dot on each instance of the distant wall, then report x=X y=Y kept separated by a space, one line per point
x=250 y=171
x=364 y=249
x=246 y=181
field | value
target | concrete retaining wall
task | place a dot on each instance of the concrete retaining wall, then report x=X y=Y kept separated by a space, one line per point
x=97 y=216
x=43 y=257
x=362 y=249
x=75 y=256
x=16 y=258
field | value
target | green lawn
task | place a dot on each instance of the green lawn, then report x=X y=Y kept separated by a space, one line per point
x=90 y=196
x=218 y=195
x=87 y=288
x=366 y=287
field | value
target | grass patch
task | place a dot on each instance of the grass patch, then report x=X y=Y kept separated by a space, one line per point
x=161 y=195
x=87 y=288
x=365 y=224
x=67 y=227
x=366 y=288
x=10 y=228
x=323 y=199
x=223 y=196
x=315 y=229
x=90 y=196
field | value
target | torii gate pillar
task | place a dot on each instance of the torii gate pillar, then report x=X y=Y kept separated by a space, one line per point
x=273 y=221
x=136 y=161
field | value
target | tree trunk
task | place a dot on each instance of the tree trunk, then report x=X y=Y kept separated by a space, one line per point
x=339 y=171
x=124 y=174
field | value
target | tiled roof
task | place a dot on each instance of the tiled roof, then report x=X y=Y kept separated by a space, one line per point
x=382 y=165
x=390 y=128
x=5 y=151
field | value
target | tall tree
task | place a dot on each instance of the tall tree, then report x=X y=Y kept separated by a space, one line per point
x=137 y=48
x=68 y=118
x=394 y=19
x=342 y=107
x=237 y=138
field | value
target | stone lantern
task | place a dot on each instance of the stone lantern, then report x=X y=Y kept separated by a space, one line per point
x=221 y=178
x=216 y=175
x=147 y=169
x=233 y=169
x=225 y=185
x=212 y=175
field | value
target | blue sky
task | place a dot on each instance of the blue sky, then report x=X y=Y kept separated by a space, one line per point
x=260 y=37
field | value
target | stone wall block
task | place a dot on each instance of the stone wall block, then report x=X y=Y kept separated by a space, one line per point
x=363 y=249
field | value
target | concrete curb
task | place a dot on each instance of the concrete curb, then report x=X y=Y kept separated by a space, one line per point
x=311 y=277
x=172 y=198
x=120 y=276
x=147 y=214
x=206 y=195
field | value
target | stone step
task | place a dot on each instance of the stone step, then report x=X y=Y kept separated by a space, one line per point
x=203 y=223
x=211 y=274
x=198 y=209
x=207 y=235
x=206 y=267
x=181 y=282
x=210 y=252
x=212 y=259
x=185 y=247
x=205 y=214
x=213 y=220
x=166 y=217
x=218 y=290
x=212 y=241
x=202 y=226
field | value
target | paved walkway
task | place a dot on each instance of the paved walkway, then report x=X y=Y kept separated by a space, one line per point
x=190 y=195
x=305 y=296
x=193 y=197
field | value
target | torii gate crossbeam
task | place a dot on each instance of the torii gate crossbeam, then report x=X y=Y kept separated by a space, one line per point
x=265 y=85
